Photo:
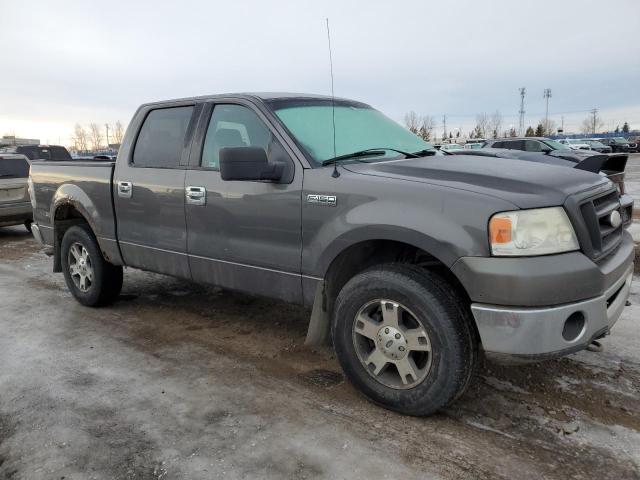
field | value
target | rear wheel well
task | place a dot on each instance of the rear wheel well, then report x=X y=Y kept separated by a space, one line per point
x=66 y=216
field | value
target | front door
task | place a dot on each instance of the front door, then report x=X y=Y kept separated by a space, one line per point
x=149 y=192
x=243 y=235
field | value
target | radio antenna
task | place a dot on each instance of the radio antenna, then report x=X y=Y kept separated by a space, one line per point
x=335 y=173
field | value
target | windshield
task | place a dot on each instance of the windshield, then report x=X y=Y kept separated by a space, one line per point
x=620 y=140
x=358 y=127
x=595 y=143
x=555 y=145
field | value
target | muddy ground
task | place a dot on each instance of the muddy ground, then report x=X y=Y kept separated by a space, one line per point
x=181 y=381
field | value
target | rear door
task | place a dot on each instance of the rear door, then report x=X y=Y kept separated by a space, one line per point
x=149 y=190
x=243 y=235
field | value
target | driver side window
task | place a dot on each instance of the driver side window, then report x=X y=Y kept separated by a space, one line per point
x=233 y=126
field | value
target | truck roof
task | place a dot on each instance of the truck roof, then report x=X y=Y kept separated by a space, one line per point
x=265 y=96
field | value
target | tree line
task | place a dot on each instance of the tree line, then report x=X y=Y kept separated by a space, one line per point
x=94 y=137
x=490 y=126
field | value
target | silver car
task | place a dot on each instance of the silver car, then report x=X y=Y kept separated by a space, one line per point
x=15 y=204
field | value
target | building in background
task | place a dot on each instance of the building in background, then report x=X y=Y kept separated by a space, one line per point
x=9 y=140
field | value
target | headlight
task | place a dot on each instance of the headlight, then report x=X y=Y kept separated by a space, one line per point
x=539 y=231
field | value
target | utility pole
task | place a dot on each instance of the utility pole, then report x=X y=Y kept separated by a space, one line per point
x=521 y=112
x=547 y=96
x=106 y=125
x=444 y=123
x=594 y=112
x=562 y=123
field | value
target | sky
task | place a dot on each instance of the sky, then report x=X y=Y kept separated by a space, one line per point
x=68 y=62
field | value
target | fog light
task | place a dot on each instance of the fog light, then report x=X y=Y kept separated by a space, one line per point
x=573 y=326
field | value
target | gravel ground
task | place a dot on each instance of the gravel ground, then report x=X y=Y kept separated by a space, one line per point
x=181 y=381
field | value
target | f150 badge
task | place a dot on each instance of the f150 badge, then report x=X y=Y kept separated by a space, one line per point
x=323 y=200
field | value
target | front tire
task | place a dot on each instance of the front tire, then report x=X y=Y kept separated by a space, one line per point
x=404 y=338
x=90 y=278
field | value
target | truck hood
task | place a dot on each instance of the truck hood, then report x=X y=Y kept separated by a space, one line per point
x=524 y=184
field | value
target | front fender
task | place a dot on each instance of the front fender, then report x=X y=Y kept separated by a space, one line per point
x=446 y=232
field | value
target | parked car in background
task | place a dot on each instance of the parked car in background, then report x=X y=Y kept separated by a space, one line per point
x=597 y=146
x=473 y=145
x=618 y=144
x=448 y=147
x=575 y=144
x=413 y=264
x=527 y=144
x=633 y=146
x=15 y=205
x=56 y=153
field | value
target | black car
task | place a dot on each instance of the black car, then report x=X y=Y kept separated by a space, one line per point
x=528 y=144
x=56 y=153
x=619 y=144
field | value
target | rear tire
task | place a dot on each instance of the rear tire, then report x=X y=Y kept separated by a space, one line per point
x=27 y=225
x=404 y=338
x=90 y=278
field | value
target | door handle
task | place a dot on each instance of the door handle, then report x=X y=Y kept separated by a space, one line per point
x=125 y=189
x=196 y=195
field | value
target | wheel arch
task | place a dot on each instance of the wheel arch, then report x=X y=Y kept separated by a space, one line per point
x=72 y=206
x=354 y=258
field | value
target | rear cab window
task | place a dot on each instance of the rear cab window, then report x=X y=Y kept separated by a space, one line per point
x=163 y=137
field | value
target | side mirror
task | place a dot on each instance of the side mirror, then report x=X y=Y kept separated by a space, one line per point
x=248 y=163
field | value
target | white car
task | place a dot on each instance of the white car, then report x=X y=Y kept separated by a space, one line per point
x=574 y=144
x=451 y=146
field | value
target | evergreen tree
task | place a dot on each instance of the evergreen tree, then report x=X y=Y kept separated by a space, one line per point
x=529 y=132
x=540 y=130
x=625 y=127
x=617 y=130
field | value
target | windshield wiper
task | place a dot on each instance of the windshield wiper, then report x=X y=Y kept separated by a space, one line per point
x=366 y=153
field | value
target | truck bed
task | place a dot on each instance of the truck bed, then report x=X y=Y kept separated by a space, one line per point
x=87 y=187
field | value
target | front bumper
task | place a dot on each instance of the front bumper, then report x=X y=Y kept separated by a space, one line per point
x=539 y=333
x=15 y=213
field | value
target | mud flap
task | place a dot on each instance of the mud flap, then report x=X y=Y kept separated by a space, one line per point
x=319 y=323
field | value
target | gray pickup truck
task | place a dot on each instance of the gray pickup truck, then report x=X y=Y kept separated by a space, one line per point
x=412 y=263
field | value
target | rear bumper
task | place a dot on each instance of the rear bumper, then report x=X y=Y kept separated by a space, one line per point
x=531 y=334
x=15 y=213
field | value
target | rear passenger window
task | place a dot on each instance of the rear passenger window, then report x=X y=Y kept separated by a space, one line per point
x=162 y=137
x=532 y=146
x=498 y=145
x=514 y=145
